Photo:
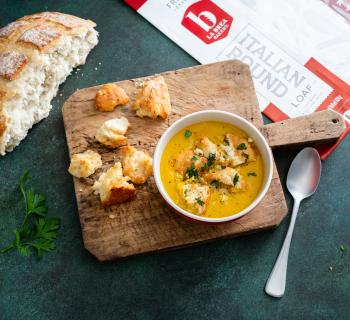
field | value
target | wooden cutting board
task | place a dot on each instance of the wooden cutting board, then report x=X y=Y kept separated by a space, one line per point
x=147 y=224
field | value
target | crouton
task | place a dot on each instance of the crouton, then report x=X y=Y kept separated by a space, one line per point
x=109 y=97
x=228 y=155
x=229 y=177
x=207 y=147
x=187 y=159
x=113 y=187
x=111 y=133
x=243 y=147
x=153 y=99
x=136 y=164
x=84 y=164
x=196 y=196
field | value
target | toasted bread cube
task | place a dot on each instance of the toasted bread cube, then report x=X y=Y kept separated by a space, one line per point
x=229 y=177
x=84 y=164
x=195 y=195
x=228 y=155
x=113 y=187
x=188 y=159
x=136 y=164
x=111 y=133
x=244 y=148
x=207 y=146
x=153 y=99
x=109 y=97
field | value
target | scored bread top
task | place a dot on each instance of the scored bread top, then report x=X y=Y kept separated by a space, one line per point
x=11 y=64
x=39 y=37
x=63 y=19
x=38 y=32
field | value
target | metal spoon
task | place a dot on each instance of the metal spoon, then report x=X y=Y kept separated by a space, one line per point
x=302 y=181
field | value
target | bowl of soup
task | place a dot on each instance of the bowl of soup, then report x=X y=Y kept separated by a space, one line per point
x=212 y=166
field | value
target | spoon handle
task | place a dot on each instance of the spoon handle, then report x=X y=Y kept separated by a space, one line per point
x=276 y=283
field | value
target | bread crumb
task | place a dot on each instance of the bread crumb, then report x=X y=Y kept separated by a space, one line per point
x=84 y=164
x=153 y=99
x=112 y=216
x=109 y=97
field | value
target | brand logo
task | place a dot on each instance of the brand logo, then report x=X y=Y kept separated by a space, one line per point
x=207 y=21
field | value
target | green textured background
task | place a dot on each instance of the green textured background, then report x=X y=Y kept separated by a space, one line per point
x=221 y=280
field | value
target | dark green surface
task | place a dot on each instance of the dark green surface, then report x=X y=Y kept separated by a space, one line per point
x=221 y=280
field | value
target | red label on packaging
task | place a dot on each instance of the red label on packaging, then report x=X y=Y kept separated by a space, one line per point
x=207 y=21
x=135 y=4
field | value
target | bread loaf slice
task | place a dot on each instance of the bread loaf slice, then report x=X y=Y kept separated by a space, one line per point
x=37 y=53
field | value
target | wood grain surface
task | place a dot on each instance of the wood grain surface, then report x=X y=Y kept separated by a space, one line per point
x=147 y=224
x=316 y=128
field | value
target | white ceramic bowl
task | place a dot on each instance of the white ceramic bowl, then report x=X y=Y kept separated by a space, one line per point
x=221 y=116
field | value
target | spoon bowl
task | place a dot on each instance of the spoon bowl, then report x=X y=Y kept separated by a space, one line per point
x=304 y=173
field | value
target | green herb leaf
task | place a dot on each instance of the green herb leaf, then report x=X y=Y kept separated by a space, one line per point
x=210 y=162
x=211 y=157
x=223 y=167
x=343 y=248
x=36 y=233
x=235 y=179
x=199 y=201
x=241 y=146
x=253 y=174
x=187 y=134
x=215 y=184
x=194 y=158
x=192 y=172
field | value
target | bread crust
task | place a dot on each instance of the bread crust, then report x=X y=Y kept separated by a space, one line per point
x=11 y=64
x=136 y=164
x=153 y=99
x=120 y=195
x=39 y=31
x=109 y=97
x=66 y=20
x=3 y=117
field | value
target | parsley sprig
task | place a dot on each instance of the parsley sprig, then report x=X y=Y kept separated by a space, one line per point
x=37 y=232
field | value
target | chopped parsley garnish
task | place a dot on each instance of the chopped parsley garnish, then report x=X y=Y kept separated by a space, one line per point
x=210 y=162
x=253 y=174
x=187 y=134
x=194 y=158
x=223 y=167
x=242 y=146
x=199 y=201
x=211 y=157
x=226 y=142
x=192 y=172
x=215 y=184
x=235 y=179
